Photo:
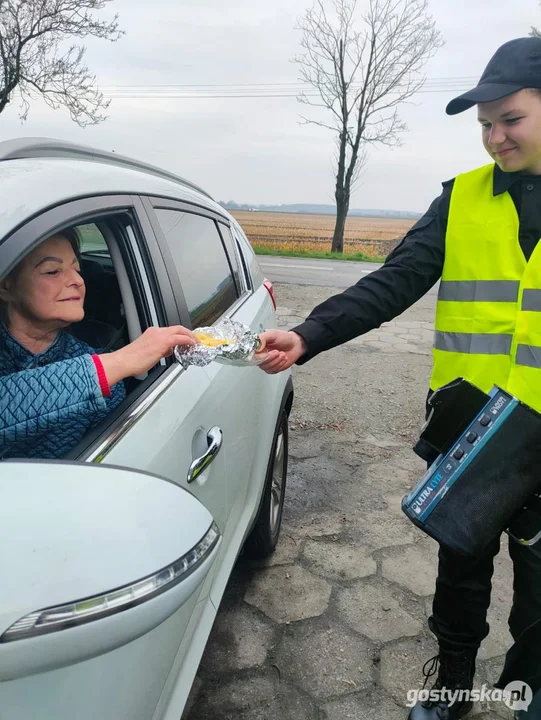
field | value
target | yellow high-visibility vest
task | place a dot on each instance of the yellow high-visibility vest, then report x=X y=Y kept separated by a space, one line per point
x=488 y=314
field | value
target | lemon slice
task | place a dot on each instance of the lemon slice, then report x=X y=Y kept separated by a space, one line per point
x=206 y=339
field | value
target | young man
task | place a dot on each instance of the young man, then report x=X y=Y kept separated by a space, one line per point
x=480 y=237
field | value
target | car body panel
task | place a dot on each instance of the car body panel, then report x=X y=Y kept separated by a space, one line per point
x=124 y=683
x=171 y=434
x=134 y=505
x=90 y=668
x=30 y=186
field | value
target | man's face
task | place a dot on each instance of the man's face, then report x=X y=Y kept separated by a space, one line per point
x=511 y=130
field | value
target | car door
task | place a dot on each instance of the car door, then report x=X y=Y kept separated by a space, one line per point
x=250 y=393
x=169 y=430
x=214 y=285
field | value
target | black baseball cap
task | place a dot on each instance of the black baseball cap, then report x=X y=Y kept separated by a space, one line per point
x=516 y=65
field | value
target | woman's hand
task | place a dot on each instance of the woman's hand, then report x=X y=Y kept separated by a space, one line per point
x=145 y=352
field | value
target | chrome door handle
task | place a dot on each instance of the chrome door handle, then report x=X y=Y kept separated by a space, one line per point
x=215 y=438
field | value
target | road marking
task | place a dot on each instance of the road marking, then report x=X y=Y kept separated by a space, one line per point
x=297 y=267
x=321 y=268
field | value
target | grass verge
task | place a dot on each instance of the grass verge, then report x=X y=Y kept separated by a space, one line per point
x=358 y=257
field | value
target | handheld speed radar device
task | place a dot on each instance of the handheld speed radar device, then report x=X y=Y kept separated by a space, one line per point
x=485 y=452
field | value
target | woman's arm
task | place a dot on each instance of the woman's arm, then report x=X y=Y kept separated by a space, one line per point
x=32 y=401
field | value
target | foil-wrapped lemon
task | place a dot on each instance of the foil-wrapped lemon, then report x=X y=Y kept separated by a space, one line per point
x=209 y=341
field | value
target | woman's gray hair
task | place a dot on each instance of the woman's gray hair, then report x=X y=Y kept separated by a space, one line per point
x=71 y=236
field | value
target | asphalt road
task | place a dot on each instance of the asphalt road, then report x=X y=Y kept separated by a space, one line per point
x=325 y=273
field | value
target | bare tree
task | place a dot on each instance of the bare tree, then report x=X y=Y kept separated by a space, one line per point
x=34 y=58
x=363 y=66
x=534 y=31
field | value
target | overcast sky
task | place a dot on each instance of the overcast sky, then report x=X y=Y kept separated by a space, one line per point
x=255 y=150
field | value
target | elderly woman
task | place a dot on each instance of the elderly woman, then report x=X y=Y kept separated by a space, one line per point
x=53 y=387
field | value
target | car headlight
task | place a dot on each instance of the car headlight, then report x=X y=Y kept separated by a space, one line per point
x=76 y=613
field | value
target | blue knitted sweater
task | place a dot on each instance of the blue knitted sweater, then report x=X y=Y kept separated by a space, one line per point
x=49 y=401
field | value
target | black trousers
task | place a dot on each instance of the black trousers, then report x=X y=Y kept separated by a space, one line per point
x=463 y=588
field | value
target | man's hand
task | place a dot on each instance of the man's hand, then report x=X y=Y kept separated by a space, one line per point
x=145 y=352
x=284 y=348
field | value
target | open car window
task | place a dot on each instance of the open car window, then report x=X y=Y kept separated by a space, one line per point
x=122 y=299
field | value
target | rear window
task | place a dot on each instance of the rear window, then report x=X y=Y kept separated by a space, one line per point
x=91 y=240
x=234 y=254
x=201 y=263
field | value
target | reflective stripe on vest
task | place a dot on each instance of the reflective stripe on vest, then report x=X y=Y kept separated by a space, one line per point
x=531 y=300
x=479 y=291
x=529 y=356
x=473 y=343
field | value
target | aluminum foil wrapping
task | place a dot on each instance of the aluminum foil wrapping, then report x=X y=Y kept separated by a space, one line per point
x=229 y=342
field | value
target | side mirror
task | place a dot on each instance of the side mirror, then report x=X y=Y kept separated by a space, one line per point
x=92 y=557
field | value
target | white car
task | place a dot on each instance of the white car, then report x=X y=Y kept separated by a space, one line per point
x=114 y=560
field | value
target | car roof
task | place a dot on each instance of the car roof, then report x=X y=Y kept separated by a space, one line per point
x=35 y=176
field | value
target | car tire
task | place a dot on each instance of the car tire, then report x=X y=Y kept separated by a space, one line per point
x=263 y=539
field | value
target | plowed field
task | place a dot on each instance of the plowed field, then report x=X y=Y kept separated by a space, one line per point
x=375 y=237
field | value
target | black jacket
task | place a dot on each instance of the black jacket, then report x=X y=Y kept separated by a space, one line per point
x=411 y=269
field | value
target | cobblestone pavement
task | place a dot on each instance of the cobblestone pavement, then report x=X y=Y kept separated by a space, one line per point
x=333 y=626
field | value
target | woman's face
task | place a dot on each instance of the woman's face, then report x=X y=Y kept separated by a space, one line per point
x=46 y=288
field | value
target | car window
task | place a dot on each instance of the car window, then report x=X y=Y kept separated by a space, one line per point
x=201 y=262
x=248 y=256
x=91 y=240
x=229 y=243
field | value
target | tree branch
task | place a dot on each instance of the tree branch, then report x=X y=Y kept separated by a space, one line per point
x=31 y=34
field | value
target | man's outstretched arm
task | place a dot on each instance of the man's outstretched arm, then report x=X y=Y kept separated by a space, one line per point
x=409 y=272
